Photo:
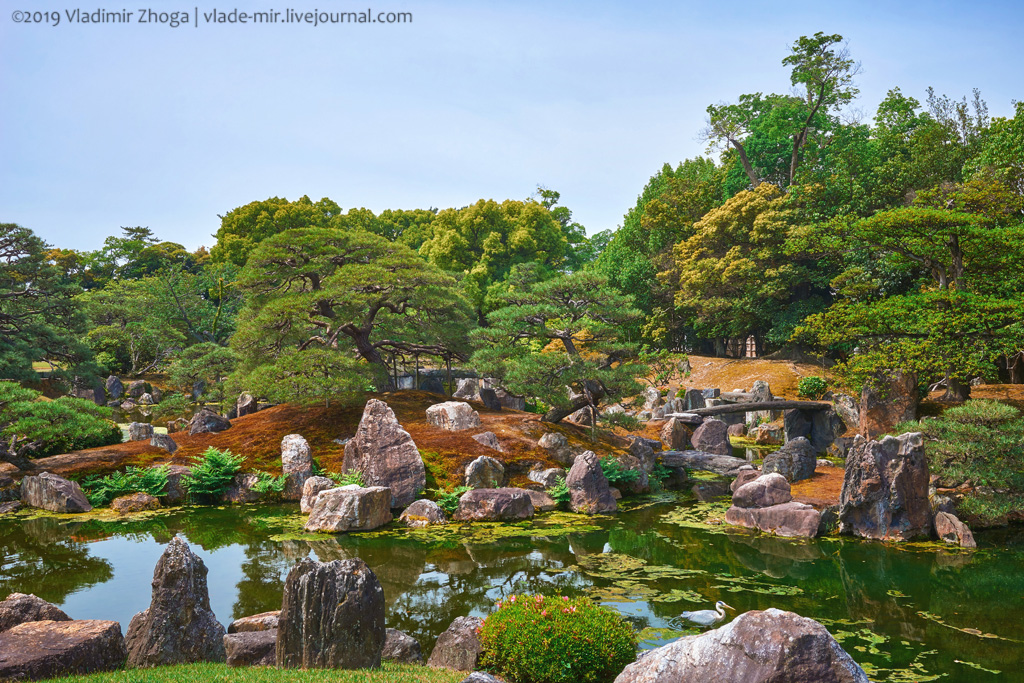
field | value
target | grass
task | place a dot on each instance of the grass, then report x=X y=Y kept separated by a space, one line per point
x=222 y=673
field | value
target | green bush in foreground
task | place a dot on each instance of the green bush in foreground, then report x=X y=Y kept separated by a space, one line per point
x=389 y=672
x=101 y=490
x=211 y=474
x=538 y=639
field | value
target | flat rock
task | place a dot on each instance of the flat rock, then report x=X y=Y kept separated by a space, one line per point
x=53 y=493
x=264 y=621
x=350 y=508
x=401 y=647
x=423 y=513
x=19 y=608
x=492 y=505
x=453 y=416
x=726 y=465
x=712 y=436
x=485 y=473
x=47 y=649
x=386 y=454
x=135 y=502
x=311 y=488
x=547 y=477
x=588 y=487
x=251 y=648
x=459 y=647
x=790 y=519
x=764 y=491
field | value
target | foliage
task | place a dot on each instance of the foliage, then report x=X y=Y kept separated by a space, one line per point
x=560 y=492
x=267 y=483
x=538 y=639
x=621 y=419
x=207 y=365
x=615 y=473
x=352 y=477
x=211 y=474
x=448 y=500
x=172 y=406
x=389 y=672
x=658 y=475
x=100 y=490
x=812 y=387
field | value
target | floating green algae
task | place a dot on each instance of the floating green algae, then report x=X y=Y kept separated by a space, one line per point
x=709 y=516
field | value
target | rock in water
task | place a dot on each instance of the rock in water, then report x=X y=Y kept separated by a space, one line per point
x=453 y=416
x=790 y=519
x=332 y=616
x=53 y=493
x=795 y=461
x=588 y=487
x=206 y=421
x=459 y=647
x=402 y=648
x=494 y=505
x=762 y=492
x=885 y=401
x=175 y=491
x=350 y=508
x=251 y=648
x=423 y=513
x=951 y=530
x=485 y=473
x=712 y=437
x=885 y=489
x=542 y=502
x=311 y=489
x=48 y=649
x=134 y=502
x=178 y=627
x=18 y=608
x=386 y=454
x=297 y=465
x=756 y=647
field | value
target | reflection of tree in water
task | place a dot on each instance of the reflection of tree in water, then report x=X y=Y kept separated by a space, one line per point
x=261 y=587
x=42 y=556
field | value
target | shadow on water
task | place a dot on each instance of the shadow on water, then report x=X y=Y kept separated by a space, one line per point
x=905 y=613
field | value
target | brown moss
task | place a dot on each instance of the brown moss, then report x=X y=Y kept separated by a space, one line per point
x=822 y=489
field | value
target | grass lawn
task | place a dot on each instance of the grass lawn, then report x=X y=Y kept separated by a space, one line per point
x=222 y=673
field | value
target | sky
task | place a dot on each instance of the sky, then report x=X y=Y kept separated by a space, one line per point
x=124 y=124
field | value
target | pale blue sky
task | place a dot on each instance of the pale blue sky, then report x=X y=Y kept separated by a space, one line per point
x=111 y=125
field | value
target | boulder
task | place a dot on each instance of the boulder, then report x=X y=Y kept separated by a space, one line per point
x=467 y=389
x=558 y=448
x=146 y=399
x=401 y=647
x=769 y=435
x=157 y=394
x=459 y=647
x=114 y=387
x=251 y=648
x=546 y=478
x=652 y=398
x=128 y=406
x=588 y=487
x=485 y=473
x=311 y=489
x=242 y=489
x=296 y=464
x=453 y=416
x=725 y=465
x=264 y=621
x=48 y=649
x=490 y=440
x=246 y=404
x=18 y=608
x=332 y=616
x=739 y=429
x=178 y=627
x=795 y=461
x=675 y=435
x=489 y=397
x=693 y=399
x=350 y=508
x=423 y=513
x=584 y=417
x=433 y=385
x=711 y=393
x=137 y=388
x=762 y=492
x=790 y=519
x=847 y=409
x=175 y=426
x=886 y=400
x=175 y=493
x=9 y=507
x=494 y=505
x=135 y=502
x=542 y=502
x=951 y=530
x=743 y=477
x=769 y=646
x=163 y=442
x=507 y=400
x=885 y=489
x=140 y=431
x=386 y=454
x=712 y=436
x=53 y=493
x=206 y=421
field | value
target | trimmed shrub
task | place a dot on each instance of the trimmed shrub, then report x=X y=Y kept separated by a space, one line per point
x=211 y=474
x=812 y=388
x=627 y=422
x=100 y=490
x=537 y=639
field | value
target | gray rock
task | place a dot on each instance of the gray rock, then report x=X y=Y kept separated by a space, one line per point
x=453 y=416
x=725 y=465
x=711 y=393
x=459 y=647
x=769 y=435
x=386 y=454
x=489 y=397
x=652 y=398
x=311 y=489
x=19 y=608
x=53 y=493
x=481 y=677
x=489 y=439
x=848 y=410
x=264 y=621
x=558 y=448
x=694 y=399
x=423 y=513
x=178 y=627
x=137 y=388
x=332 y=616
x=467 y=389
x=712 y=436
x=163 y=442
x=146 y=399
x=157 y=394
x=546 y=478
x=242 y=489
x=675 y=435
x=588 y=487
x=707 y=491
x=251 y=648
x=401 y=647
x=350 y=508
x=49 y=649
x=762 y=492
x=140 y=431
x=795 y=461
x=951 y=530
x=542 y=502
x=296 y=464
x=114 y=387
x=175 y=491
x=246 y=404
x=494 y=505
x=206 y=422
x=485 y=473
x=434 y=385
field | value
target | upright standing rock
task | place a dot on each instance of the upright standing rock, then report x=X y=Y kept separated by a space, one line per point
x=246 y=404
x=485 y=473
x=675 y=435
x=693 y=399
x=886 y=400
x=114 y=387
x=386 y=454
x=489 y=397
x=588 y=487
x=53 y=493
x=140 y=431
x=712 y=437
x=178 y=627
x=332 y=616
x=795 y=461
x=297 y=465
x=885 y=489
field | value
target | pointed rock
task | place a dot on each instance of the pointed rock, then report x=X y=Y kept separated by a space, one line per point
x=386 y=454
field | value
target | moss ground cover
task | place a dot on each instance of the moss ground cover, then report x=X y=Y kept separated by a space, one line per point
x=221 y=673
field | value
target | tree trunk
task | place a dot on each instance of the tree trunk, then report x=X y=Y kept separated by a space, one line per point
x=382 y=373
x=590 y=397
x=956 y=391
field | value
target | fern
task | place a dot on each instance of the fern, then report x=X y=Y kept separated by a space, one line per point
x=101 y=490
x=615 y=473
x=560 y=492
x=267 y=483
x=347 y=478
x=212 y=474
x=448 y=500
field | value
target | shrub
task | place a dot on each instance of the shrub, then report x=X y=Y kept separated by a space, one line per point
x=173 y=406
x=211 y=474
x=100 y=490
x=537 y=639
x=268 y=483
x=448 y=500
x=812 y=387
x=627 y=422
x=59 y=426
x=560 y=492
x=615 y=473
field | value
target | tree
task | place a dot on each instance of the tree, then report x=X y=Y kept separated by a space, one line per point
x=562 y=341
x=332 y=296
x=1003 y=150
x=205 y=366
x=243 y=228
x=580 y=251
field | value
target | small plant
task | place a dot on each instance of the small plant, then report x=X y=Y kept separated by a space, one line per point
x=101 y=490
x=268 y=483
x=658 y=476
x=560 y=492
x=347 y=478
x=211 y=474
x=627 y=422
x=812 y=387
x=448 y=500
x=616 y=474
x=538 y=639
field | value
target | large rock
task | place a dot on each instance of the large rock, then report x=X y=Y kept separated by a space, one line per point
x=546 y=478
x=459 y=647
x=140 y=431
x=251 y=648
x=489 y=397
x=772 y=646
x=467 y=389
x=726 y=465
x=489 y=439
x=847 y=409
x=264 y=621
x=795 y=461
x=135 y=502
x=762 y=492
x=164 y=442
x=50 y=649
x=951 y=530
x=652 y=398
x=694 y=399
x=350 y=508
x=494 y=505
x=744 y=477
x=401 y=647
x=453 y=416
x=206 y=421
x=137 y=388
x=675 y=435
x=53 y=493
x=386 y=454
x=311 y=489
x=296 y=464
x=885 y=489
x=114 y=387
x=790 y=519
x=558 y=448
x=332 y=616
x=18 y=608
x=485 y=473
x=588 y=487
x=712 y=436
x=423 y=513
x=246 y=404
x=178 y=627
x=175 y=493
x=886 y=400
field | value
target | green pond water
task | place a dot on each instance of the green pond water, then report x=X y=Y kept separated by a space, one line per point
x=905 y=613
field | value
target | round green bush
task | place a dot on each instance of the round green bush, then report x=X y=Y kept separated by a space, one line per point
x=538 y=639
x=812 y=387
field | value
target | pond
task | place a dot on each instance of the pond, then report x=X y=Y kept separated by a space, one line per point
x=905 y=613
